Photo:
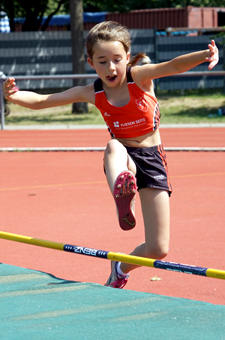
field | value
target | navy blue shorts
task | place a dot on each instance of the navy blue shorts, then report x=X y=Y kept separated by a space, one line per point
x=152 y=169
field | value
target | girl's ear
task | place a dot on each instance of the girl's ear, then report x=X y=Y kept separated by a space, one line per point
x=90 y=62
x=128 y=57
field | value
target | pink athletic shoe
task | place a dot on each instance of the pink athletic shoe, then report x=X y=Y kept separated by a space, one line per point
x=124 y=193
x=114 y=280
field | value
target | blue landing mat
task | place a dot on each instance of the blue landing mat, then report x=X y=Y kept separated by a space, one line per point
x=36 y=305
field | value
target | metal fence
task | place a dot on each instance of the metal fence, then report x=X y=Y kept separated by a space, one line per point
x=50 y=53
x=43 y=60
x=170 y=47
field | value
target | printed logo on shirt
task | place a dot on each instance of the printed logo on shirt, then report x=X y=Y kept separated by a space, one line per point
x=107 y=114
x=116 y=124
x=128 y=125
x=142 y=104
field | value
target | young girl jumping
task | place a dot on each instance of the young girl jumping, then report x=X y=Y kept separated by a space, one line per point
x=134 y=158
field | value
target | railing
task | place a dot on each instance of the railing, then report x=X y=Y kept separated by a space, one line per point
x=84 y=76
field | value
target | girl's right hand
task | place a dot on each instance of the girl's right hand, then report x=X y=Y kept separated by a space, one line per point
x=213 y=57
x=9 y=88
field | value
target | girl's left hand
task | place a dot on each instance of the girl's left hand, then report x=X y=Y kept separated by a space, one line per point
x=213 y=55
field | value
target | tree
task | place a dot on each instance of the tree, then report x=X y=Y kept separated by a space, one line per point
x=76 y=23
x=61 y=2
x=33 y=12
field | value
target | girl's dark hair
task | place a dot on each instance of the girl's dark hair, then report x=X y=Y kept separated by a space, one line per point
x=110 y=31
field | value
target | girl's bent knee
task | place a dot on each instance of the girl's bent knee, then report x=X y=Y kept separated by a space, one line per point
x=112 y=146
x=157 y=253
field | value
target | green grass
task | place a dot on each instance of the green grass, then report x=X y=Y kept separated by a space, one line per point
x=193 y=108
x=57 y=116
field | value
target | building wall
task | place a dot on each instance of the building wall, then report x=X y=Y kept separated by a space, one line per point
x=161 y=18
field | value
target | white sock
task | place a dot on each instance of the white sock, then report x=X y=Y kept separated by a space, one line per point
x=120 y=272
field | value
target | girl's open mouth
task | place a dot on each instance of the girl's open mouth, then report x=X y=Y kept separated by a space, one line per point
x=111 y=78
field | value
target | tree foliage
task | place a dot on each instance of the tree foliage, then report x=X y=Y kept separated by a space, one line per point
x=33 y=12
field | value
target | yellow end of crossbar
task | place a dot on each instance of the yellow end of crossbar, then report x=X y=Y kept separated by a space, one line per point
x=31 y=240
x=217 y=274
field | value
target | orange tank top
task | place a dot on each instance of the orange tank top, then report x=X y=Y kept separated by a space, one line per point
x=139 y=117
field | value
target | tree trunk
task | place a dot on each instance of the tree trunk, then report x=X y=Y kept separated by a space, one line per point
x=77 y=39
x=11 y=15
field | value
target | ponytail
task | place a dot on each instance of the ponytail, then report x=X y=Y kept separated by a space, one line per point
x=135 y=59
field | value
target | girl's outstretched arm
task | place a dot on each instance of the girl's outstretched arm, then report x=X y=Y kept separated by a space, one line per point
x=37 y=101
x=191 y=60
x=179 y=64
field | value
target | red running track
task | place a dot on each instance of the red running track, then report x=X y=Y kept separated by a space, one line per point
x=171 y=137
x=63 y=197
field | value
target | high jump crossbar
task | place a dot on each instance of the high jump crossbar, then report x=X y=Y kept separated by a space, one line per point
x=135 y=260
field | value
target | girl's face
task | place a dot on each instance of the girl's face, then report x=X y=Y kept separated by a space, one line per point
x=109 y=61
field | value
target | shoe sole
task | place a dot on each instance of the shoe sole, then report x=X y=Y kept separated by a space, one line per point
x=124 y=192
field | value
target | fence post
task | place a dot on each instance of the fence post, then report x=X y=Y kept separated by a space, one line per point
x=156 y=57
x=2 y=108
